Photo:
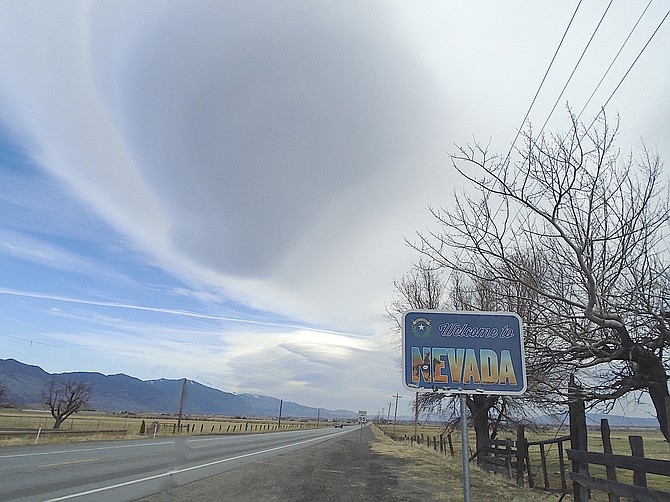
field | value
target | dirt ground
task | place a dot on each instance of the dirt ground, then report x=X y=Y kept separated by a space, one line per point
x=342 y=469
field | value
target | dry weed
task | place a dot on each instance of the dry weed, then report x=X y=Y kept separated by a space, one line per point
x=442 y=476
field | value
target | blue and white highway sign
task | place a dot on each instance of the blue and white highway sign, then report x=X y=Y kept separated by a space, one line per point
x=464 y=352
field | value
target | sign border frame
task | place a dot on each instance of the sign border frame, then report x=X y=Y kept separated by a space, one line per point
x=465 y=391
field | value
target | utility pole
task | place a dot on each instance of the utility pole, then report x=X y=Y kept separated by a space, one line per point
x=281 y=405
x=181 y=404
x=395 y=414
x=388 y=417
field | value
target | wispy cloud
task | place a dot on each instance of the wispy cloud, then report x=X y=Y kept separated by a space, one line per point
x=169 y=311
x=42 y=252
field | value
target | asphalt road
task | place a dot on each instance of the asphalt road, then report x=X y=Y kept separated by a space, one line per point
x=344 y=469
x=127 y=470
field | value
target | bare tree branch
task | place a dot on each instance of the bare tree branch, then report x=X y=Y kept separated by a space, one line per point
x=579 y=234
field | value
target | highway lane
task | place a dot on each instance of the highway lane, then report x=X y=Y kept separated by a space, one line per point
x=128 y=470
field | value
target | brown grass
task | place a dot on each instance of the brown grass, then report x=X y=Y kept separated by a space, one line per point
x=442 y=476
x=655 y=446
x=90 y=426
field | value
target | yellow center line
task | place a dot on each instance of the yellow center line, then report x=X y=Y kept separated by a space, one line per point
x=58 y=464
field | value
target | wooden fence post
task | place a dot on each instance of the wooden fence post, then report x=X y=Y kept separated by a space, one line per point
x=543 y=458
x=521 y=453
x=607 y=448
x=561 y=464
x=637 y=450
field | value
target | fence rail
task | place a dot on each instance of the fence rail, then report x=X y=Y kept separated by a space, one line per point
x=640 y=466
x=514 y=460
x=507 y=457
x=500 y=456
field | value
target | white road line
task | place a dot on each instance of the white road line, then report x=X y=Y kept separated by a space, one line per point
x=192 y=468
x=86 y=449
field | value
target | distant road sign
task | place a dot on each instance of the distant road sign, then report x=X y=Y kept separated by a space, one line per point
x=362 y=416
x=464 y=352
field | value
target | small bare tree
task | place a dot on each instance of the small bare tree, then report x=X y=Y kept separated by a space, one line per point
x=586 y=232
x=421 y=288
x=65 y=398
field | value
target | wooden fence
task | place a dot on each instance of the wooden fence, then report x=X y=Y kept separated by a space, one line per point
x=513 y=459
x=499 y=455
x=443 y=442
x=637 y=463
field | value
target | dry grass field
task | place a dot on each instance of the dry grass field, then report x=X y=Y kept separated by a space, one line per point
x=655 y=447
x=440 y=477
x=86 y=426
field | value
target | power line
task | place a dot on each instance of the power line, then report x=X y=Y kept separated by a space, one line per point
x=36 y=342
x=527 y=216
x=614 y=60
x=542 y=82
x=630 y=68
x=532 y=103
x=576 y=66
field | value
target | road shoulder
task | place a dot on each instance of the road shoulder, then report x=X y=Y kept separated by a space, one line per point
x=340 y=469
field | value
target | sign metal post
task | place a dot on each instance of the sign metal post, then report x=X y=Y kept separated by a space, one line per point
x=466 y=451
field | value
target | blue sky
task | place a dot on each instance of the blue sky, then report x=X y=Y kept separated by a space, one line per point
x=222 y=191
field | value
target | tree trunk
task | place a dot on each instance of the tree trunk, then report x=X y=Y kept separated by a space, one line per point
x=479 y=409
x=649 y=370
x=650 y=367
x=650 y=373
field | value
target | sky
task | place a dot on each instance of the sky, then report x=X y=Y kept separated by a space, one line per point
x=223 y=191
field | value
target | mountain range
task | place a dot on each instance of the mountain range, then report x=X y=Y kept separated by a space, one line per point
x=25 y=383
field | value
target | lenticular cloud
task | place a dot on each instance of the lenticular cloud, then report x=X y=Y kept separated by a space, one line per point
x=223 y=137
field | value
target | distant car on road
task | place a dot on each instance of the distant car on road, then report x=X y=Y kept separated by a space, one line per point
x=338 y=425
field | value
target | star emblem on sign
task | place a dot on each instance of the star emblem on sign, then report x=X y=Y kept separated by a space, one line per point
x=421 y=327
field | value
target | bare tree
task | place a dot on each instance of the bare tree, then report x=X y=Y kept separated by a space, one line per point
x=420 y=289
x=65 y=398
x=594 y=225
x=424 y=288
x=490 y=412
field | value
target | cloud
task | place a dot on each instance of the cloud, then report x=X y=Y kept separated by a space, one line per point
x=42 y=252
x=161 y=310
x=272 y=155
x=250 y=145
x=298 y=365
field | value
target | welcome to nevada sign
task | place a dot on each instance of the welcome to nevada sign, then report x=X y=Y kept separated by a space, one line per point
x=463 y=352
